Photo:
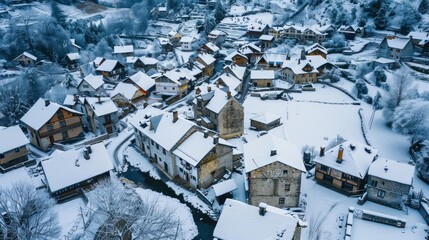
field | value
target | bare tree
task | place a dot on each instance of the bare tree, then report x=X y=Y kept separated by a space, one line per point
x=120 y=213
x=27 y=214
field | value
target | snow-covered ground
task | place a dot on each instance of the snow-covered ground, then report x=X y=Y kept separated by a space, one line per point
x=70 y=216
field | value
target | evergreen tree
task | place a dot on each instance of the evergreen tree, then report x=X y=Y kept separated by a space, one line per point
x=209 y=24
x=220 y=12
x=423 y=7
x=380 y=21
x=57 y=13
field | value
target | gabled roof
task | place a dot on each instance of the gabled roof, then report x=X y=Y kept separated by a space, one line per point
x=274 y=58
x=30 y=56
x=69 y=101
x=11 y=138
x=261 y=74
x=231 y=81
x=418 y=35
x=123 y=49
x=64 y=169
x=233 y=54
x=215 y=33
x=316 y=46
x=206 y=58
x=266 y=38
x=127 y=90
x=239 y=220
x=177 y=74
x=316 y=61
x=142 y=80
x=144 y=60
x=73 y=43
x=356 y=159
x=238 y=71
x=39 y=114
x=73 y=56
x=224 y=187
x=396 y=42
x=218 y=100
x=265 y=118
x=297 y=66
x=108 y=65
x=392 y=170
x=95 y=81
x=257 y=153
x=212 y=47
x=187 y=39
x=98 y=60
x=103 y=107
x=256 y=26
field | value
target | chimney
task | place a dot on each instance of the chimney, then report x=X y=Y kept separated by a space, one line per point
x=76 y=163
x=199 y=121
x=340 y=154
x=322 y=151
x=215 y=139
x=47 y=102
x=228 y=94
x=175 y=116
x=206 y=134
x=262 y=208
x=209 y=89
x=75 y=97
x=386 y=168
x=89 y=149
x=273 y=152
x=299 y=61
x=86 y=154
x=145 y=104
x=98 y=98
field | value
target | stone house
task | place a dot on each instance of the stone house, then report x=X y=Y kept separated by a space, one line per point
x=48 y=122
x=69 y=173
x=344 y=167
x=91 y=85
x=113 y=70
x=396 y=48
x=262 y=78
x=273 y=168
x=26 y=59
x=13 y=148
x=170 y=141
x=102 y=115
x=219 y=111
x=262 y=222
x=389 y=182
x=251 y=51
x=265 y=121
x=237 y=71
x=276 y=32
x=208 y=63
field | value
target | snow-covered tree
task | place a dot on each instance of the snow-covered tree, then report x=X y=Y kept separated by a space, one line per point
x=120 y=212
x=13 y=103
x=361 y=88
x=209 y=24
x=401 y=88
x=423 y=7
x=380 y=75
x=380 y=21
x=412 y=118
x=27 y=214
x=57 y=13
x=219 y=12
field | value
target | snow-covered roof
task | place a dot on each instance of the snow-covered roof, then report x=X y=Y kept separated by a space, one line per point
x=256 y=26
x=357 y=158
x=103 y=107
x=123 y=49
x=39 y=113
x=64 y=169
x=97 y=61
x=230 y=81
x=218 y=100
x=316 y=46
x=163 y=41
x=396 y=42
x=108 y=65
x=17 y=176
x=392 y=170
x=95 y=81
x=261 y=74
x=259 y=153
x=144 y=60
x=224 y=187
x=212 y=47
x=11 y=138
x=187 y=39
x=69 y=101
x=274 y=58
x=142 y=80
x=215 y=33
x=266 y=38
x=233 y=54
x=418 y=35
x=238 y=71
x=316 y=60
x=384 y=60
x=73 y=43
x=297 y=65
x=31 y=56
x=265 y=118
x=206 y=58
x=127 y=90
x=73 y=56
x=249 y=48
x=179 y=73
x=239 y=220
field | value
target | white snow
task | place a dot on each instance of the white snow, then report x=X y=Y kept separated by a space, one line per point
x=101 y=107
x=127 y=90
x=265 y=118
x=261 y=74
x=191 y=154
x=392 y=170
x=224 y=187
x=123 y=49
x=17 y=176
x=95 y=81
x=107 y=65
x=12 y=138
x=73 y=56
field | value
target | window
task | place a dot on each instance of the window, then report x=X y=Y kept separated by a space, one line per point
x=181 y=169
x=60 y=115
x=381 y=194
x=324 y=168
x=1 y=155
x=281 y=201
x=194 y=178
x=65 y=134
x=17 y=149
x=50 y=127
x=174 y=88
x=284 y=172
x=374 y=183
x=157 y=146
x=163 y=151
x=153 y=143
x=62 y=123
x=287 y=187
x=85 y=86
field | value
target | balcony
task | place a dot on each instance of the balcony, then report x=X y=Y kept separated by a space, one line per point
x=60 y=130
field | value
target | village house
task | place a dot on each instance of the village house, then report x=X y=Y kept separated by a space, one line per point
x=187 y=43
x=237 y=58
x=98 y=61
x=208 y=63
x=170 y=141
x=71 y=61
x=237 y=71
x=396 y=48
x=91 y=85
x=303 y=34
x=350 y=32
x=251 y=51
x=420 y=41
x=133 y=89
x=327 y=29
x=262 y=78
x=316 y=49
x=219 y=111
x=102 y=115
x=265 y=121
x=143 y=82
x=267 y=41
x=273 y=167
x=70 y=173
x=75 y=102
x=26 y=59
x=13 y=148
x=126 y=50
x=272 y=61
x=217 y=37
x=113 y=70
x=173 y=82
x=344 y=167
x=299 y=71
x=230 y=81
x=165 y=44
x=239 y=220
x=276 y=32
x=210 y=48
x=256 y=30
x=48 y=122
x=143 y=63
x=174 y=38
x=389 y=182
